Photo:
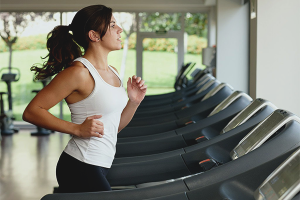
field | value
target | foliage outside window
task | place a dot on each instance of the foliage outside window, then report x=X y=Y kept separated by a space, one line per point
x=151 y=22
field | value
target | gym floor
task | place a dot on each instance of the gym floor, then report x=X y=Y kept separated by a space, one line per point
x=27 y=164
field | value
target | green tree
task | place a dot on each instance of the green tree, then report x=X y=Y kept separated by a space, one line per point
x=151 y=22
x=196 y=24
x=14 y=23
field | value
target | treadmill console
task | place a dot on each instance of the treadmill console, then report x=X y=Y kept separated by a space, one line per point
x=257 y=105
x=216 y=90
x=228 y=101
x=262 y=132
x=283 y=183
x=204 y=79
x=207 y=85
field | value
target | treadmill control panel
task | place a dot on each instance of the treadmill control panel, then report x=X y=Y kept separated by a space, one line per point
x=262 y=132
x=228 y=101
x=284 y=182
x=257 y=105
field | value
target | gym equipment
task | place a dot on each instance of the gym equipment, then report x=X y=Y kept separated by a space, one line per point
x=194 y=133
x=185 y=164
x=179 y=101
x=41 y=131
x=258 y=163
x=190 y=94
x=2 y=113
x=183 y=80
x=203 y=158
x=166 y=110
x=200 y=108
x=283 y=182
x=231 y=105
x=247 y=118
x=178 y=92
x=186 y=114
x=180 y=75
x=13 y=75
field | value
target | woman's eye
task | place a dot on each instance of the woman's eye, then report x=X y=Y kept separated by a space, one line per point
x=113 y=26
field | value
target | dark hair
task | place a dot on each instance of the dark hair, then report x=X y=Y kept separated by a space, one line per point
x=64 y=47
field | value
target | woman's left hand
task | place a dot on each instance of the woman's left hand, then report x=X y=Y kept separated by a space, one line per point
x=136 y=89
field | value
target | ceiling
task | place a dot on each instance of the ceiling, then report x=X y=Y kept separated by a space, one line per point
x=117 y=5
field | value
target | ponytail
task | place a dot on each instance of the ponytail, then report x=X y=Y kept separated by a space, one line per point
x=64 y=47
x=62 y=51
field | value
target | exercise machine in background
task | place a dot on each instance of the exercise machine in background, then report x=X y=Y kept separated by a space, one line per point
x=8 y=75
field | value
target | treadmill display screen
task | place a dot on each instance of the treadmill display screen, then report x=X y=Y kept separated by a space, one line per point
x=261 y=133
x=283 y=181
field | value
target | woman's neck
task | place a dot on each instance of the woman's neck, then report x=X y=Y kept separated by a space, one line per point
x=97 y=57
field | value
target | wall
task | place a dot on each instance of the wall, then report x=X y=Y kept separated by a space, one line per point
x=211 y=26
x=233 y=44
x=278 y=53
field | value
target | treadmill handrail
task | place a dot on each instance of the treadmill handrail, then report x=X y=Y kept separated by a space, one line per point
x=290 y=192
x=216 y=90
x=228 y=101
x=265 y=130
x=247 y=113
x=207 y=85
x=204 y=79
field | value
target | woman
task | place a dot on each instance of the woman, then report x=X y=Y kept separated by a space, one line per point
x=94 y=93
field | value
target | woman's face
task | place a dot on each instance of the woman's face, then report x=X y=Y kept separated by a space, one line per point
x=112 y=38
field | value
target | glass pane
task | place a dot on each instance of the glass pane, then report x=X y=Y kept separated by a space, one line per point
x=195 y=38
x=152 y=22
x=30 y=46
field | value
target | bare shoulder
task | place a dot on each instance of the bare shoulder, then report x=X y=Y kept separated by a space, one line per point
x=72 y=76
x=114 y=68
x=77 y=71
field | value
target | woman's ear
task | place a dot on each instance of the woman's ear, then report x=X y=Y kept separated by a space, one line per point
x=94 y=36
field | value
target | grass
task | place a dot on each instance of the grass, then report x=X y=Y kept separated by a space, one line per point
x=159 y=71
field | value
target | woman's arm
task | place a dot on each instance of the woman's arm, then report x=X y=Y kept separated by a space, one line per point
x=136 y=92
x=64 y=84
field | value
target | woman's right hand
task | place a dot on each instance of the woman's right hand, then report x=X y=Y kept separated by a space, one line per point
x=91 y=127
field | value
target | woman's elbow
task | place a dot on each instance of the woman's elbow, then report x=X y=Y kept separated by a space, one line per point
x=27 y=116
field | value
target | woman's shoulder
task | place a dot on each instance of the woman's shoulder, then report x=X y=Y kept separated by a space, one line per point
x=77 y=67
x=75 y=71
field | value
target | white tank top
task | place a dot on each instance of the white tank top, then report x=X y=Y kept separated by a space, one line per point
x=108 y=101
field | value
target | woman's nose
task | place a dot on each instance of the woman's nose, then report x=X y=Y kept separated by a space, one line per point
x=120 y=29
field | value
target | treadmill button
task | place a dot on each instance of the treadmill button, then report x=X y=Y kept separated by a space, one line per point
x=208 y=164
x=201 y=139
x=189 y=122
x=184 y=107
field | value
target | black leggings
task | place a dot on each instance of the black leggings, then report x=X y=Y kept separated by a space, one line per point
x=75 y=176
